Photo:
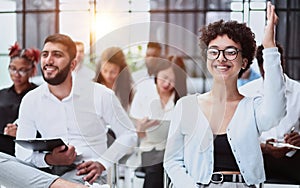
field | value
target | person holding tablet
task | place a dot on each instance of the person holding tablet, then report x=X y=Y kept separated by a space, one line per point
x=149 y=109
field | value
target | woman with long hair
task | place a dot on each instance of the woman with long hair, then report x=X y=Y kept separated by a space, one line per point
x=113 y=72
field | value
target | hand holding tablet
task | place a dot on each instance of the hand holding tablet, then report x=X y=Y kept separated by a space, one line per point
x=41 y=144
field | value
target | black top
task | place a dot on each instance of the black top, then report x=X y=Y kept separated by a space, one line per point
x=223 y=156
x=9 y=105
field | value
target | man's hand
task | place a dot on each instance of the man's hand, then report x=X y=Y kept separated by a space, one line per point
x=61 y=156
x=92 y=169
x=276 y=152
x=293 y=138
x=10 y=129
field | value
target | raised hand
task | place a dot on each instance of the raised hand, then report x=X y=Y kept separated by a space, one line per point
x=272 y=20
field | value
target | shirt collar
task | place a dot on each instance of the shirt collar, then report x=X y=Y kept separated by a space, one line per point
x=170 y=103
x=46 y=92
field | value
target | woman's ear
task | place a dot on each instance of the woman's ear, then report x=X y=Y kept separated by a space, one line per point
x=245 y=63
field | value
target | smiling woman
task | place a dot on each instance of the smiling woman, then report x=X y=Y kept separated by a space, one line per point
x=213 y=137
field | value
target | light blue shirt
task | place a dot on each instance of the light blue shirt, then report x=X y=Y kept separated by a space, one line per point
x=189 y=151
x=253 y=76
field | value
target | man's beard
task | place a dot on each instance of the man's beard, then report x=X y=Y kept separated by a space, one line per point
x=60 y=76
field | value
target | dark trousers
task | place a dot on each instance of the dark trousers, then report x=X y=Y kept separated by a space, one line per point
x=154 y=176
x=152 y=163
x=286 y=168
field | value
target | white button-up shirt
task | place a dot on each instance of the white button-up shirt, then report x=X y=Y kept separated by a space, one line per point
x=79 y=119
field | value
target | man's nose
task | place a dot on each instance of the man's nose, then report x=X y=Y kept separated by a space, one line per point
x=49 y=59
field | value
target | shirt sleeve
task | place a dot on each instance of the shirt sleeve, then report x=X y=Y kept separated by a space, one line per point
x=271 y=108
x=126 y=138
x=27 y=129
x=137 y=107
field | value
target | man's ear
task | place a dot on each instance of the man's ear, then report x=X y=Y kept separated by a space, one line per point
x=73 y=64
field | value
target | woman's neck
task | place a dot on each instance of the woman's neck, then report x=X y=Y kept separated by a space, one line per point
x=164 y=97
x=225 y=92
x=110 y=86
x=21 y=88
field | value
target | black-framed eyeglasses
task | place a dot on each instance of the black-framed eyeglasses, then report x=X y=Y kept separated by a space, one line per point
x=229 y=53
x=22 y=72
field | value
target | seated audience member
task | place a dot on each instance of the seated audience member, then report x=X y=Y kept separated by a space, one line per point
x=182 y=82
x=248 y=76
x=76 y=112
x=280 y=162
x=22 y=66
x=151 y=107
x=113 y=72
x=81 y=70
x=154 y=51
x=143 y=78
x=213 y=137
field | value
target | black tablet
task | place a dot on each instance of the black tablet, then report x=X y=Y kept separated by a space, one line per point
x=41 y=144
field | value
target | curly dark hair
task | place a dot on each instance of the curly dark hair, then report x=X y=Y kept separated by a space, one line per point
x=31 y=55
x=238 y=32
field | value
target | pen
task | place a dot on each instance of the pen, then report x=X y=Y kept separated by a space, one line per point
x=292 y=129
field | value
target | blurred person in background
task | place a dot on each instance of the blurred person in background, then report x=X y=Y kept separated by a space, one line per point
x=280 y=162
x=113 y=72
x=81 y=70
x=150 y=110
x=22 y=67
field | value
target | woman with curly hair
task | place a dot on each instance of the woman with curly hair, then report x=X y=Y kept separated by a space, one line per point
x=22 y=66
x=213 y=137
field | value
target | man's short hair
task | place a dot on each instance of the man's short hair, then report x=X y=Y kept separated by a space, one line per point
x=64 y=40
x=154 y=45
x=259 y=55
